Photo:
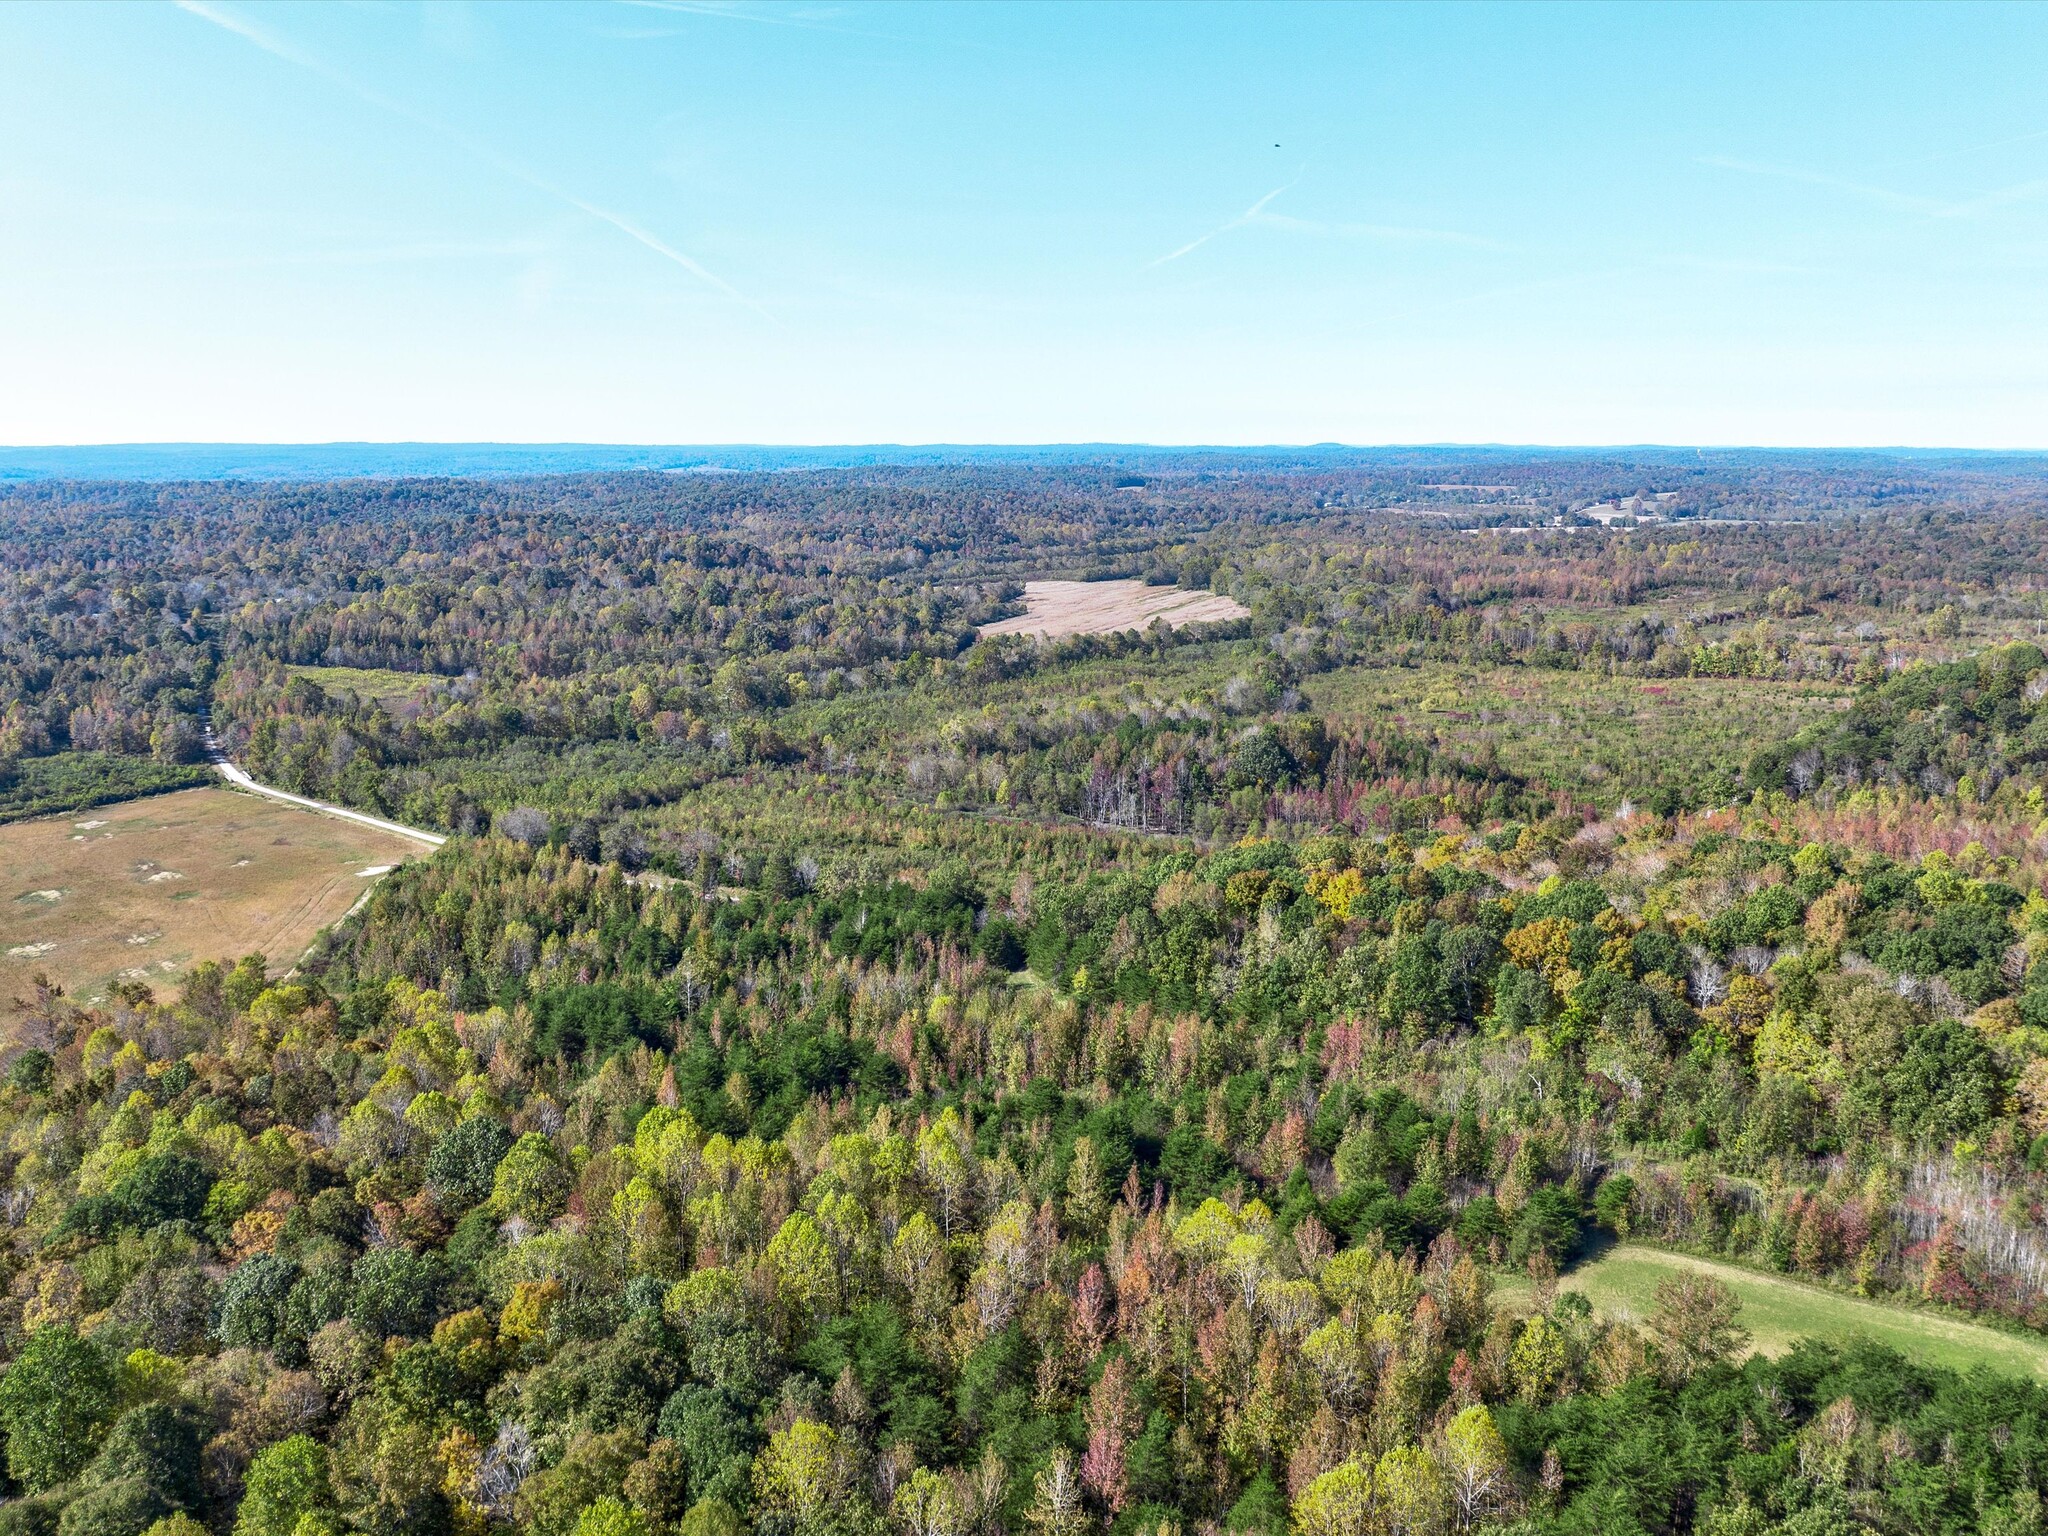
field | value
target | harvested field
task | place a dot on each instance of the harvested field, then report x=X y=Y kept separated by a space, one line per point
x=1056 y=608
x=144 y=888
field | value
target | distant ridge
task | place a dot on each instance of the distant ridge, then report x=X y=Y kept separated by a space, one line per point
x=342 y=461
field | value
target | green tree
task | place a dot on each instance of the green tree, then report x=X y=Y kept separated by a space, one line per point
x=1339 y=1503
x=33 y=1071
x=127 y=1506
x=806 y=1278
x=1410 y=1493
x=658 y=1484
x=157 y=1445
x=711 y=1517
x=1613 y=1203
x=711 y=1431
x=611 y=1517
x=56 y=1402
x=927 y=1504
x=530 y=1181
x=287 y=1481
x=251 y=1308
x=1477 y=1465
x=778 y=875
x=1695 y=1324
x=245 y=983
x=1540 y=1358
x=803 y=1481
x=1087 y=1202
x=393 y=1291
x=462 y=1167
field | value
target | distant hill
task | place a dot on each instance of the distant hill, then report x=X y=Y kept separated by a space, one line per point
x=342 y=461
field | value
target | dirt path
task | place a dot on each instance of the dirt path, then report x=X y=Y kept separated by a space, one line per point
x=241 y=780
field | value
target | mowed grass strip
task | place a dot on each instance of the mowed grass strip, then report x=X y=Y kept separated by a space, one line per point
x=144 y=888
x=1778 y=1311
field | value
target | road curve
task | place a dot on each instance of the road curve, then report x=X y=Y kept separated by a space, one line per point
x=241 y=780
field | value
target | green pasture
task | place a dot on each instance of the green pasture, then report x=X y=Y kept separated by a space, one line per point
x=1777 y=1310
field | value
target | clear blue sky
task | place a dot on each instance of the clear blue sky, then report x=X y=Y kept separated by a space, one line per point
x=683 y=222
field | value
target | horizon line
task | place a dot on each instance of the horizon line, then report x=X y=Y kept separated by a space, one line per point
x=998 y=446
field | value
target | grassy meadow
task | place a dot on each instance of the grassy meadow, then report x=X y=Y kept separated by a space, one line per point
x=374 y=683
x=1778 y=1310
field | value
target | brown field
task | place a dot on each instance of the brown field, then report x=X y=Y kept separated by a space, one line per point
x=1055 y=608
x=144 y=888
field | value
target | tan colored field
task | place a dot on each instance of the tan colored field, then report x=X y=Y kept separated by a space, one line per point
x=1055 y=608
x=145 y=888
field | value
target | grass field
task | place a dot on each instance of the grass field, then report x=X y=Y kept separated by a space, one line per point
x=144 y=888
x=1601 y=737
x=373 y=683
x=1777 y=1311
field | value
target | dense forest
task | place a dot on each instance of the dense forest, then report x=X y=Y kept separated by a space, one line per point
x=847 y=1075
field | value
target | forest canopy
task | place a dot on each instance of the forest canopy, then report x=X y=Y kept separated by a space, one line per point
x=844 y=1074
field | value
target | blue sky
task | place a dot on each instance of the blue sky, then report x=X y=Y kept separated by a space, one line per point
x=683 y=222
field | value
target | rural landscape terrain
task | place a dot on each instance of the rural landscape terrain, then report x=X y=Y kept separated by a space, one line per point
x=1142 y=991
x=140 y=890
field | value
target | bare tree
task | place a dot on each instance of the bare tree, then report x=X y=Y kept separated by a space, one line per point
x=525 y=824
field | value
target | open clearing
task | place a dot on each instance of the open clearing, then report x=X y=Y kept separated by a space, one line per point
x=375 y=684
x=1599 y=737
x=1056 y=608
x=1778 y=1310
x=145 y=888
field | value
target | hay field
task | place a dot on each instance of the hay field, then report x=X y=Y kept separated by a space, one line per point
x=1056 y=608
x=144 y=888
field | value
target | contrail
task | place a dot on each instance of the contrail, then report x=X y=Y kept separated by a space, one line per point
x=1885 y=195
x=1237 y=223
x=279 y=48
x=248 y=32
x=1926 y=207
x=1971 y=149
